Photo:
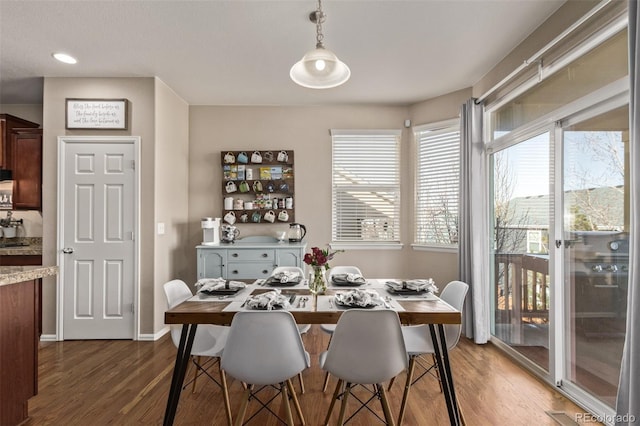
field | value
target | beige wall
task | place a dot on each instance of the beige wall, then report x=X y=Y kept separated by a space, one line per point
x=171 y=260
x=306 y=131
x=140 y=93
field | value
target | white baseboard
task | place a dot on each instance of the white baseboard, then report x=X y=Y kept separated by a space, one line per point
x=48 y=338
x=153 y=337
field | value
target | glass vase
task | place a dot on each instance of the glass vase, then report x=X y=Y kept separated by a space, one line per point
x=317 y=281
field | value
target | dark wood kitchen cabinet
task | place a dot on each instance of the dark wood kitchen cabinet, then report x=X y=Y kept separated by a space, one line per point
x=9 y=122
x=26 y=149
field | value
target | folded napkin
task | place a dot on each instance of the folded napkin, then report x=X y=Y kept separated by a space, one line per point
x=359 y=298
x=214 y=285
x=285 y=277
x=413 y=285
x=267 y=301
x=356 y=279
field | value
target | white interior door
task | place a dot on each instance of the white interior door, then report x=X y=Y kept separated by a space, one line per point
x=97 y=221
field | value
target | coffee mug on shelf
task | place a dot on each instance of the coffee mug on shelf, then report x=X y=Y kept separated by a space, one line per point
x=256 y=157
x=244 y=218
x=257 y=186
x=283 y=216
x=284 y=187
x=271 y=187
x=231 y=187
x=256 y=217
x=268 y=156
x=283 y=156
x=243 y=158
x=244 y=186
x=270 y=216
x=228 y=203
x=229 y=158
x=230 y=218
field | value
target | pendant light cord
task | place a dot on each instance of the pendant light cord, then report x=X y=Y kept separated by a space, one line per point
x=319 y=20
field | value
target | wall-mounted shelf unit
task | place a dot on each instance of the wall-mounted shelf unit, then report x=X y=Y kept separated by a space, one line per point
x=258 y=186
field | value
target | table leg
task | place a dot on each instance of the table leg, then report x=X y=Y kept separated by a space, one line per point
x=180 y=368
x=442 y=361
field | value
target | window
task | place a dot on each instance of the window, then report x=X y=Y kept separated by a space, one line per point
x=366 y=186
x=437 y=183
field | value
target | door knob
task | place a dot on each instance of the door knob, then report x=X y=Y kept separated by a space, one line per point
x=67 y=250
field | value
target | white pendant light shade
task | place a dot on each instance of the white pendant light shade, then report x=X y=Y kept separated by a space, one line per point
x=320 y=69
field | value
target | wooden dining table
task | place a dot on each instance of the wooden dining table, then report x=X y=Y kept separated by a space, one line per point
x=432 y=311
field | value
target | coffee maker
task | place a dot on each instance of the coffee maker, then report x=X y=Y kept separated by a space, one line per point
x=210 y=231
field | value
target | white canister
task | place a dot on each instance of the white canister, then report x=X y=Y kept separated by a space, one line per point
x=228 y=203
x=248 y=205
x=249 y=174
x=288 y=202
x=238 y=204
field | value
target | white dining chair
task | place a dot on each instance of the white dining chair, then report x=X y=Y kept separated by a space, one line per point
x=366 y=348
x=209 y=340
x=302 y=328
x=418 y=341
x=264 y=348
x=329 y=328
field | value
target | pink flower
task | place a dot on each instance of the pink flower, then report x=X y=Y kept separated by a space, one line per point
x=319 y=257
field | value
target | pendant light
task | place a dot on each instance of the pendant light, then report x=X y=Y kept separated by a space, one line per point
x=319 y=68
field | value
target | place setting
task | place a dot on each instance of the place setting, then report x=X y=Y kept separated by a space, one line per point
x=275 y=299
x=348 y=280
x=290 y=279
x=357 y=298
x=219 y=290
x=418 y=289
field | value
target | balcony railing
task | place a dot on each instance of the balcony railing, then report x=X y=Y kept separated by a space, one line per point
x=522 y=288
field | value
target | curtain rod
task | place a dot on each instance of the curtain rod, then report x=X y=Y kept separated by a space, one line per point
x=536 y=56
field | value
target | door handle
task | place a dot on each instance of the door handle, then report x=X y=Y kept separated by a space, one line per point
x=67 y=250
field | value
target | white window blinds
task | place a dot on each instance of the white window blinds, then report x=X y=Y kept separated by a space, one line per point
x=366 y=186
x=437 y=183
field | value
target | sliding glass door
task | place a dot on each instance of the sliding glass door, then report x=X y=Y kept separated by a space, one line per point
x=596 y=249
x=520 y=203
x=560 y=249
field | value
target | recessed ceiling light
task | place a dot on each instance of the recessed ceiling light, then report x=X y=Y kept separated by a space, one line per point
x=63 y=57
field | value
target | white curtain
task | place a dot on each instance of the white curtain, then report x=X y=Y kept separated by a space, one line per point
x=472 y=224
x=628 y=403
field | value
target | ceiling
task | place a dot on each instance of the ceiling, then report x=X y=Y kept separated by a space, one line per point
x=239 y=52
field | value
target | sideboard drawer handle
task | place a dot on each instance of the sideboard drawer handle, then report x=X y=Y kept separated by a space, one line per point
x=265 y=272
x=265 y=255
x=235 y=272
x=235 y=255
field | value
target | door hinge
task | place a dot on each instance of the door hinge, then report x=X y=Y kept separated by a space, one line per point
x=133 y=164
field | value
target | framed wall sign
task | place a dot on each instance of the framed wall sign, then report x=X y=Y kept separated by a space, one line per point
x=100 y=114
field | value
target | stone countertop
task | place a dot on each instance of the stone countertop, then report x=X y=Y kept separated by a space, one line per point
x=33 y=247
x=18 y=274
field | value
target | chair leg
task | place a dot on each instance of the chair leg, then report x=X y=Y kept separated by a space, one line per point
x=407 y=387
x=385 y=405
x=301 y=383
x=343 y=406
x=225 y=394
x=243 y=406
x=195 y=375
x=326 y=382
x=296 y=403
x=333 y=401
x=463 y=422
x=285 y=402
x=393 y=379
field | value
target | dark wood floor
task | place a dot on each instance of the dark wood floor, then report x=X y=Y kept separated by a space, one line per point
x=126 y=383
